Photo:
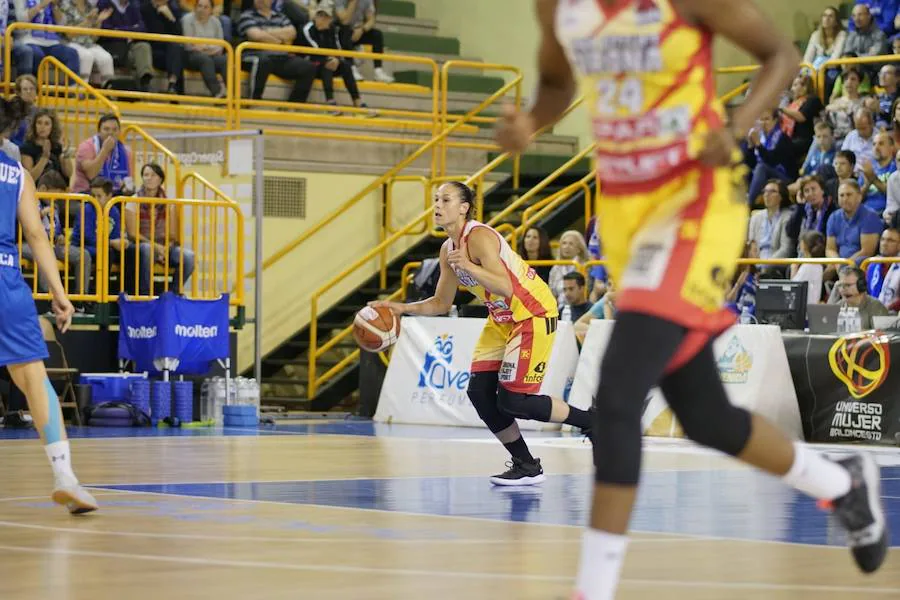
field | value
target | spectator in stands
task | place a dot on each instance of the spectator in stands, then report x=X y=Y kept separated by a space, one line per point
x=164 y=17
x=861 y=141
x=851 y=280
x=821 y=152
x=357 y=18
x=218 y=12
x=102 y=192
x=813 y=209
x=771 y=154
x=597 y=276
x=135 y=54
x=887 y=78
x=883 y=14
x=865 y=38
x=45 y=43
x=104 y=155
x=571 y=247
x=840 y=111
x=888 y=247
x=162 y=220
x=26 y=89
x=321 y=33
x=894 y=125
x=854 y=230
x=744 y=285
x=42 y=149
x=865 y=85
x=298 y=12
x=211 y=61
x=893 y=194
x=535 y=245
x=876 y=173
x=812 y=245
x=263 y=24
x=895 y=43
x=95 y=62
x=604 y=308
x=79 y=264
x=844 y=168
x=574 y=301
x=22 y=54
x=798 y=116
x=827 y=42
x=767 y=227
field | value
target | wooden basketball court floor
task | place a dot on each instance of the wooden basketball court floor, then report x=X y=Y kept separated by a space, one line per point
x=361 y=511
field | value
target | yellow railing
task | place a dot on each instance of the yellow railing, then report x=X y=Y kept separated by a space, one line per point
x=79 y=108
x=840 y=62
x=69 y=210
x=377 y=183
x=213 y=242
x=144 y=149
x=224 y=105
x=445 y=93
x=538 y=211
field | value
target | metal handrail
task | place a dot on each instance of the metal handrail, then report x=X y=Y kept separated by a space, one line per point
x=127 y=35
x=154 y=143
x=538 y=211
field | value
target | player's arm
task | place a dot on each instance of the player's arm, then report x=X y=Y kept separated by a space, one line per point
x=29 y=214
x=483 y=246
x=439 y=304
x=555 y=91
x=744 y=24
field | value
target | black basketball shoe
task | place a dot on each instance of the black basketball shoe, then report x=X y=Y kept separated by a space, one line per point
x=520 y=473
x=861 y=513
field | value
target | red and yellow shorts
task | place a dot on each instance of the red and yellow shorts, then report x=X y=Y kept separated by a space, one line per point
x=671 y=250
x=520 y=352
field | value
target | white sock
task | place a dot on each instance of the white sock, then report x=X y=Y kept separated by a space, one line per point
x=816 y=476
x=602 y=555
x=61 y=462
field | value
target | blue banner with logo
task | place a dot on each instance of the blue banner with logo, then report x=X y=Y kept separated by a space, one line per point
x=194 y=332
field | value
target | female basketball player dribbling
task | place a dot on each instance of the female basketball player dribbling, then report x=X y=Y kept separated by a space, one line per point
x=511 y=356
x=672 y=225
x=22 y=346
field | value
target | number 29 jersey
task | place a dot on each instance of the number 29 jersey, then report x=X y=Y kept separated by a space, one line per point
x=647 y=76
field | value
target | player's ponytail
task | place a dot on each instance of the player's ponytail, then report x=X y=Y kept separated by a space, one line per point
x=466 y=194
x=12 y=112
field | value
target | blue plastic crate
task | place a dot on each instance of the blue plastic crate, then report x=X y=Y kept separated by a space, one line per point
x=108 y=387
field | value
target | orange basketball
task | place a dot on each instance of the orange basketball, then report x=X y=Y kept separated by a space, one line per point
x=376 y=329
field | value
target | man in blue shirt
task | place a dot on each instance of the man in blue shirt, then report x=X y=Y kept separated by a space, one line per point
x=101 y=191
x=853 y=231
x=877 y=172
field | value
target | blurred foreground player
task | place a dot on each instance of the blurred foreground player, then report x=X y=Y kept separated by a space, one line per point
x=672 y=225
x=22 y=346
x=511 y=356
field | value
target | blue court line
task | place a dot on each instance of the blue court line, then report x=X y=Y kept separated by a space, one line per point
x=738 y=504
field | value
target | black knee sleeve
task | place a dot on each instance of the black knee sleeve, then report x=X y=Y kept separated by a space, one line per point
x=524 y=406
x=482 y=392
x=639 y=349
x=697 y=397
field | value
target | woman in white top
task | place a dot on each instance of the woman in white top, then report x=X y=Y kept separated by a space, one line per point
x=571 y=247
x=95 y=62
x=827 y=42
x=768 y=226
x=840 y=111
x=812 y=245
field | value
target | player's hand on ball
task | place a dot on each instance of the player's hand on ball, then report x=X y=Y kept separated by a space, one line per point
x=63 y=311
x=719 y=149
x=395 y=307
x=514 y=130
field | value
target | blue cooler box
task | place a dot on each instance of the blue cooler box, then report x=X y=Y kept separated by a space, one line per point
x=109 y=387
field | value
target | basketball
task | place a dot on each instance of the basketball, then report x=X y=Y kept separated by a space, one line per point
x=376 y=329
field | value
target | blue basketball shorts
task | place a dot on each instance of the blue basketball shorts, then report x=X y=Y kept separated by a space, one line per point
x=21 y=340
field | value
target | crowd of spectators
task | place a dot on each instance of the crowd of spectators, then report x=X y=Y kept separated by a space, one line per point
x=128 y=63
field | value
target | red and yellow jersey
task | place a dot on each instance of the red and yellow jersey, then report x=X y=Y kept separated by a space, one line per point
x=531 y=296
x=647 y=76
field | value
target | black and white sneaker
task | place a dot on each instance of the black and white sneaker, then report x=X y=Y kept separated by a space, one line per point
x=520 y=473
x=861 y=513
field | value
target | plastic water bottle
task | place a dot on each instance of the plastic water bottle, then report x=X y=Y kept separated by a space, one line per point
x=855 y=324
x=746 y=317
x=454 y=312
x=843 y=320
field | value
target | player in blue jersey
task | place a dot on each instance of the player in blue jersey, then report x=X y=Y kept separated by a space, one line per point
x=22 y=346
